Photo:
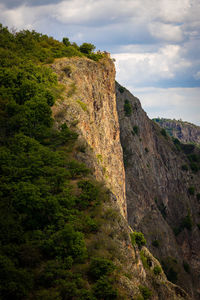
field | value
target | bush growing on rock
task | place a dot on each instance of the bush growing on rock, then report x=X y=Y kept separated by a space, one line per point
x=138 y=238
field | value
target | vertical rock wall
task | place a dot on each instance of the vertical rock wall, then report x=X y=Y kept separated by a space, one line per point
x=158 y=201
x=89 y=100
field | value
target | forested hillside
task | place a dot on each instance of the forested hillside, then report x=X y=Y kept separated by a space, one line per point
x=51 y=207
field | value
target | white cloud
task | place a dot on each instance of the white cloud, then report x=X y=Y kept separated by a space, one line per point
x=166 y=32
x=171 y=103
x=140 y=68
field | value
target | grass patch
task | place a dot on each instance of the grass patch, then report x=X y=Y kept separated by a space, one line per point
x=82 y=105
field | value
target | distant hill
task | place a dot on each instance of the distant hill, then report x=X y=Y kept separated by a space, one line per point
x=186 y=132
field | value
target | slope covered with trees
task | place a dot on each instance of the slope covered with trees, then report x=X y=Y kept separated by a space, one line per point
x=50 y=201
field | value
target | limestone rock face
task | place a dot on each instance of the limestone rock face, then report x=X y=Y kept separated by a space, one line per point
x=89 y=100
x=88 y=105
x=184 y=131
x=160 y=200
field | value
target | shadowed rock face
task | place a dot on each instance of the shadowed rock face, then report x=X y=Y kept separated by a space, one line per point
x=184 y=131
x=158 y=201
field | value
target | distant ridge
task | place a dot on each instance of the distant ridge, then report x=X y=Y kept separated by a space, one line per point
x=184 y=131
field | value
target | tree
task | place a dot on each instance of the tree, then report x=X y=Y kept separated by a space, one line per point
x=87 y=48
x=66 y=41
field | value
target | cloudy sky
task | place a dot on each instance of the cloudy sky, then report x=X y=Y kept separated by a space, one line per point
x=156 y=44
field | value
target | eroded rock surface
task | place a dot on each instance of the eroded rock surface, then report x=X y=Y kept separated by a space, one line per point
x=161 y=195
x=89 y=106
x=184 y=131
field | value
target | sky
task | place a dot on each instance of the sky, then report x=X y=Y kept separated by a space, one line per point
x=155 y=44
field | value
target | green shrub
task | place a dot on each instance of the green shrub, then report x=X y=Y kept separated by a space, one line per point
x=121 y=89
x=191 y=190
x=157 y=270
x=138 y=238
x=77 y=169
x=172 y=275
x=87 y=48
x=155 y=243
x=82 y=105
x=163 y=132
x=184 y=167
x=136 y=131
x=67 y=70
x=100 y=267
x=127 y=108
x=176 y=141
x=146 y=260
x=186 y=267
x=66 y=41
x=193 y=157
x=145 y=291
x=72 y=90
x=103 y=289
x=187 y=222
x=194 y=167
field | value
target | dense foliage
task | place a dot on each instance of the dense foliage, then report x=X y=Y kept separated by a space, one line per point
x=49 y=201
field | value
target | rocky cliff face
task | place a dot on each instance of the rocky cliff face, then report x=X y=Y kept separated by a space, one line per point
x=89 y=106
x=162 y=194
x=184 y=131
x=89 y=102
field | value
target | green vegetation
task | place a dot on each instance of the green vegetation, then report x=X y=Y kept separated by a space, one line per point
x=100 y=267
x=82 y=105
x=72 y=90
x=138 y=238
x=157 y=270
x=145 y=291
x=198 y=196
x=184 y=167
x=186 y=267
x=155 y=243
x=127 y=108
x=185 y=223
x=25 y=45
x=136 y=131
x=191 y=190
x=169 y=266
x=163 y=132
x=121 y=89
x=51 y=207
x=146 y=260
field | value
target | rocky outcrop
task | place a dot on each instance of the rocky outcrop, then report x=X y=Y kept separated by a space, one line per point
x=89 y=102
x=162 y=194
x=184 y=131
x=88 y=105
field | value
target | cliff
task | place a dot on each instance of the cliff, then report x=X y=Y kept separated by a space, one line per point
x=184 y=131
x=88 y=105
x=162 y=193
x=63 y=207
x=89 y=101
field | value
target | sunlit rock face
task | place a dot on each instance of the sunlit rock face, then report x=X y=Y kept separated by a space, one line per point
x=89 y=99
x=184 y=131
x=88 y=105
